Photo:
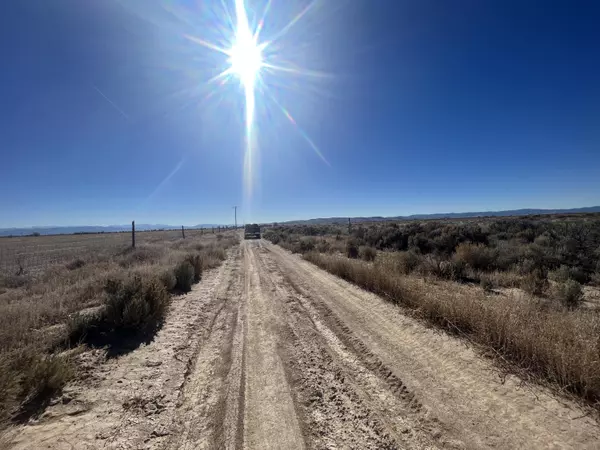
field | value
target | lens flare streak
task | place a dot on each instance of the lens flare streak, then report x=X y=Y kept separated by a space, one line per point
x=302 y=133
x=248 y=59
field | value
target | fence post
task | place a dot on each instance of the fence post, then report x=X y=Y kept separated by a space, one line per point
x=349 y=225
x=182 y=232
x=133 y=234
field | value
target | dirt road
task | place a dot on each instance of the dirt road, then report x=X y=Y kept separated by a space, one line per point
x=272 y=352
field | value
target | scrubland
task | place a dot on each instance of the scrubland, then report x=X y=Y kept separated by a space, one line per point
x=523 y=289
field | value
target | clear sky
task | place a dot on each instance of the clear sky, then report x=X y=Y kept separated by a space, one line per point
x=107 y=113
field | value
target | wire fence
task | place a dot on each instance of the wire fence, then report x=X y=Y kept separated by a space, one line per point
x=34 y=253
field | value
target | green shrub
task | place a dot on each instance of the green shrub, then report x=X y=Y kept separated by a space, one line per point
x=570 y=294
x=136 y=302
x=184 y=274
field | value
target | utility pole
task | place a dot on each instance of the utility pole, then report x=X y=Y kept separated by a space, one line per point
x=235 y=215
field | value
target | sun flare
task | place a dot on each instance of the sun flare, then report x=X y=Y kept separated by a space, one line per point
x=245 y=57
x=254 y=60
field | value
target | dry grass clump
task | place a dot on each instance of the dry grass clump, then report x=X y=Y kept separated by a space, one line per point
x=561 y=345
x=100 y=295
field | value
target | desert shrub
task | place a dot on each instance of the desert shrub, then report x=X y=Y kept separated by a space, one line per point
x=184 y=274
x=560 y=275
x=136 y=303
x=143 y=253
x=476 y=256
x=535 y=283
x=448 y=269
x=196 y=262
x=486 y=283
x=28 y=379
x=46 y=375
x=570 y=294
x=367 y=253
x=10 y=388
x=273 y=237
x=420 y=244
x=76 y=264
x=352 y=249
x=14 y=281
x=564 y=273
x=507 y=255
x=595 y=279
x=406 y=262
x=323 y=246
x=306 y=244
x=579 y=275
x=168 y=279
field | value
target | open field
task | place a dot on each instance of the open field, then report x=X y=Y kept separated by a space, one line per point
x=98 y=291
x=34 y=253
x=271 y=352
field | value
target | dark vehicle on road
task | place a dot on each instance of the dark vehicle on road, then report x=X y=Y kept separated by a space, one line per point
x=252 y=231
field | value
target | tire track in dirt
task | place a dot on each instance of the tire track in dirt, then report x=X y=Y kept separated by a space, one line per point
x=270 y=419
x=471 y=403
x=197 y=420
x=345 y=403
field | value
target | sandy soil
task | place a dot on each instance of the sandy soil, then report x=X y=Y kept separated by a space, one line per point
x=269 y=351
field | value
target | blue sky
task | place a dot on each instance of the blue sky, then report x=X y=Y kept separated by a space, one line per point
x=425 y=106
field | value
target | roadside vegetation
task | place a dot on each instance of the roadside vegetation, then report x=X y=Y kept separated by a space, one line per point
x=516 y=286
x=107 y=297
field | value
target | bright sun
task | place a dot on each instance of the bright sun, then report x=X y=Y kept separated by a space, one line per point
x=245 y=57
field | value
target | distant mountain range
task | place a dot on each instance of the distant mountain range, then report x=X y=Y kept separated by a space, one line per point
x=514 y=212
x=94 y=229
x=324 y=220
